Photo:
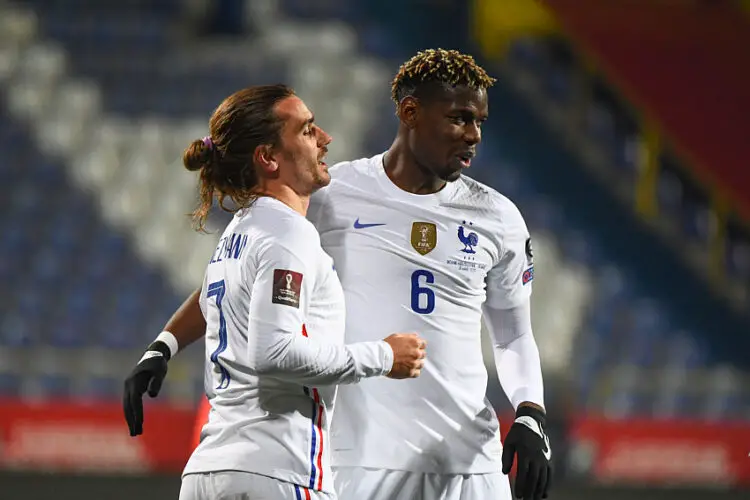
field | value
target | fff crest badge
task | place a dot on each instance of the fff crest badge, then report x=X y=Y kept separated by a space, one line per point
x=423 y=237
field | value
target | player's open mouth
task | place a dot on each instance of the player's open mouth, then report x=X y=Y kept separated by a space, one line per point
x=321 y=162
x=465 y=159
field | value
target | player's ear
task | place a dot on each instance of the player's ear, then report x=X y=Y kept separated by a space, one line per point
x=264 y=157
x=408 y=111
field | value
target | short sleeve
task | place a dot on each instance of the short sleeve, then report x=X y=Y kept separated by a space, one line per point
x=509 y=281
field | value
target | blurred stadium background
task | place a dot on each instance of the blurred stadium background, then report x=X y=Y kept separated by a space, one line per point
x=620 y=128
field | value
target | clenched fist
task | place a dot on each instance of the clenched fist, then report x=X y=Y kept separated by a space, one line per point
x=408 y=355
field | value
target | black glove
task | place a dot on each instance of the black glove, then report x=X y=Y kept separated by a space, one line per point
x=147 y=375
x=527 y=439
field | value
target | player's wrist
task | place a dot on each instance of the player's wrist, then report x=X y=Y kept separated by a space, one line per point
x=533 y=410
x=386 y=356
x=165 y=343
x=371 y=359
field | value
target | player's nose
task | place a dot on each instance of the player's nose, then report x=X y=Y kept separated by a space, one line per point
x=323 y=138
x=472 y=134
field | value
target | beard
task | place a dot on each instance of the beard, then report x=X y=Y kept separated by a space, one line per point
x=320 y=176
x=313 y=177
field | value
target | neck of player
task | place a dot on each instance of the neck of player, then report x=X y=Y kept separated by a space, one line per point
x=288 y=196
x=404 y=171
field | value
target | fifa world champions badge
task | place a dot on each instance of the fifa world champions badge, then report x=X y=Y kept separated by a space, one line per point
x=423 y=237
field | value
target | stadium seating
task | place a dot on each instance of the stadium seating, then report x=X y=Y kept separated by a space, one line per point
x=96 y=251
x=611 y=125
x=71 y=280
x=638 y=357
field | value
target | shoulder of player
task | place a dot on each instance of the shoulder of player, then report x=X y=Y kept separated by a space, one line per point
x=345 y=175
x=282 y=228
x=295 y=233
x=494 y=205
x=354 y=170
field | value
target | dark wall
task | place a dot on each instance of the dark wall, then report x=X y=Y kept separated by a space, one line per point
x=693 y=77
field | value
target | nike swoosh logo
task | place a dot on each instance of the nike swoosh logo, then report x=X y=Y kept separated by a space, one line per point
x=534 y=426
x=359 y=225
x=547 y=450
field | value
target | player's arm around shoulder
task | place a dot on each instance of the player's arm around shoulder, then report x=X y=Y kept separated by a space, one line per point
x=287 y=271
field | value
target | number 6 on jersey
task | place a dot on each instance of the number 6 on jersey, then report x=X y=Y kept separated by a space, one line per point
x=422 y=294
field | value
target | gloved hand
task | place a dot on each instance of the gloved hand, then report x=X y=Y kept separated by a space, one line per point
x=148 y=375
x=527 y=440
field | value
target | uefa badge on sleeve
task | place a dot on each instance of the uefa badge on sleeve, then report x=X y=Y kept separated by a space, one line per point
x=528 y=275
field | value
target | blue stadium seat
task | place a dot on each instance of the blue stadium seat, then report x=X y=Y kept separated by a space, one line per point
x=15 y=239
x=698 y=220
x=578 y=247
x=544 y=215
x=68 y=331
x=130 y=302
x=725 y=407
x=121 y=335
x=380 y=133
x=82 y=299
x=18 y=329
x=66 y=236
x=55 y=386
x=101 y=389
x=378 y=39
x=641 y=351
x=649 y=320
x=48 y=174
x=559 y=84
x=689 y=405
x=10 y=384
x=321 y=10
x=48 y=265
x=26 y=197
x=627 y=403
x=527 y=53
x=687 y=350
x=738 y=250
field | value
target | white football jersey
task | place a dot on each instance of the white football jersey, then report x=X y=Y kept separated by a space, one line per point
x=275 y=318
x=427 y=264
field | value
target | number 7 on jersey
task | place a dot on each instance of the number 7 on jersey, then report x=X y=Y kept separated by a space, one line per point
x=216 y=289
